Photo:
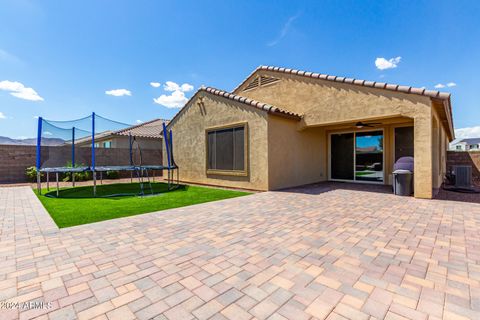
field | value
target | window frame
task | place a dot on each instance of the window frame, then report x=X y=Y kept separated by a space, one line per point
x=243 y=172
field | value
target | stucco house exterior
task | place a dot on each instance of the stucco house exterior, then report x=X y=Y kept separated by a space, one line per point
x=469 y=144
x=282 y=128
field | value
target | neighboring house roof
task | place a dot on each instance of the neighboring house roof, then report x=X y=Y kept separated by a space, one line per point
x=364 y=83
x=149 y=129
x=249 y=102
x=470 y=141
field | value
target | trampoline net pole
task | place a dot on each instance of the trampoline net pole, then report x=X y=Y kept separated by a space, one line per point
x=56 y=176
x=39 y=186
x=94 y=183
x=93 y=156
x=39 y=154
x=73 y=156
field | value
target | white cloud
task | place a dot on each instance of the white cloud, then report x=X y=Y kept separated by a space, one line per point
x=186 y=87
x=17 y=89
x=283 y=32
x=441 y=85
x=176 y=99
x=470 y=132
x=139 y=121
x=2 y=116
x=118 y=92
x=47 y=133
x=383 y=64
x=8 y=57
x=173 y=86
x=155 y=84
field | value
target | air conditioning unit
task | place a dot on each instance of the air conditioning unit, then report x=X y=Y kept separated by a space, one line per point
x=463 y=176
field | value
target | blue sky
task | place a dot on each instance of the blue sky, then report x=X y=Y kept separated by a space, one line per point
x=59 y=58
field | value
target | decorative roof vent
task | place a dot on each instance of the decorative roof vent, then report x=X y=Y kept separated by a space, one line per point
x=260 y=81
x=267 y=80
x=252 y=84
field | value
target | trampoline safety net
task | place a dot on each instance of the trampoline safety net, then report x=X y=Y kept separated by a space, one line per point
x=97 y=145
x=94 y=142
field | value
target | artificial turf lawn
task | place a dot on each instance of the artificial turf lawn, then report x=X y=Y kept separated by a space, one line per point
x=77 y=205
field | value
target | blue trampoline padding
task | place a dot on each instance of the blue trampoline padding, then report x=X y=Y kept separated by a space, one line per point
x=115 y=168
x=64 y=169
x=153 y=167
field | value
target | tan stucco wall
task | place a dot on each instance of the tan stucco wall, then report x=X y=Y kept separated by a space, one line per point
x=439 y=150
x=295 y=157
x=189 y=141
x=325 y=103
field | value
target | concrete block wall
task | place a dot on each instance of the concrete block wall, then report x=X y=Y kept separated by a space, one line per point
x=14 y=159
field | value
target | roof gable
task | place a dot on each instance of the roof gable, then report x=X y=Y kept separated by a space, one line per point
x=234 y=97
x=352 y=81
x=435 y=96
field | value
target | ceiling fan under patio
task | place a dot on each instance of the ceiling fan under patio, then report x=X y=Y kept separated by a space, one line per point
x=360 y=124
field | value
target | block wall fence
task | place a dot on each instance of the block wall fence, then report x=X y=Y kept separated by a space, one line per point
x=14 y=159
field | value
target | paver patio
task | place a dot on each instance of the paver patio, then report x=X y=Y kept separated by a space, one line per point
x=312 y=253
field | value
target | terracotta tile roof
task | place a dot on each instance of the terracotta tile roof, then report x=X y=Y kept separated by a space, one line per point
x=259 y=105
x=444 y=97
x=250 y=102
x=365 y=83
x=149 y=129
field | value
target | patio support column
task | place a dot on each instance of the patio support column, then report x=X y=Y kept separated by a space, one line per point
x=423 y=155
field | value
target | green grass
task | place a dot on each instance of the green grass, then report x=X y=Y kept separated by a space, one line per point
x=363 y=173
x=77 y=205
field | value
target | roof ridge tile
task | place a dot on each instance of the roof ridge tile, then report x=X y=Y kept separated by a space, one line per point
x=381 y=85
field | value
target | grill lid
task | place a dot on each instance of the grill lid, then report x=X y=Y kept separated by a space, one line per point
x=404 y=163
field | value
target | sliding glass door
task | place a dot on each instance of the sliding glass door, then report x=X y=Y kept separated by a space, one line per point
x=357 y=156
x=342 y=156
x=369 y=156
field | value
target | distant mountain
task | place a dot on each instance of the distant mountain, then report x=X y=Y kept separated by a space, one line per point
x=32 y=141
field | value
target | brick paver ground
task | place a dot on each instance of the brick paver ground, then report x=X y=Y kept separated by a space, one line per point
x=322 y=252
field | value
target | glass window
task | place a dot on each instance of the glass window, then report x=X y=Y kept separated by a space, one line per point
x=458 y=147
x=369 y=156
x=107 y=144
x=226 y=149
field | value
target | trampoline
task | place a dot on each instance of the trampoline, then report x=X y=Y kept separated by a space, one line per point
x=78 y=151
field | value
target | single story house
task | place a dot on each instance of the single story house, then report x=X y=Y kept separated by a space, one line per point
x=147 y=134
x=469 y=144
x=281 y=128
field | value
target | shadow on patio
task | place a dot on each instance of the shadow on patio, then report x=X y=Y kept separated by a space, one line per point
x=322 y=187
